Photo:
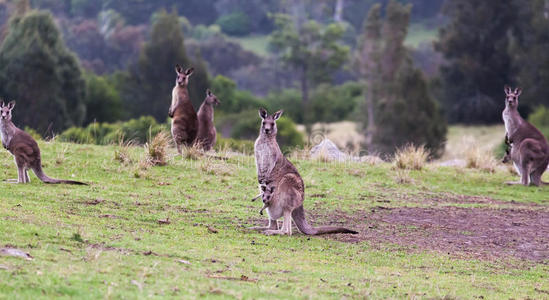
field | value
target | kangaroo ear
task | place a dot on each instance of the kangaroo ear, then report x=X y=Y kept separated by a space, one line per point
x=11 y=105
x=278 y=114
x=273 y=188
x=518 y=91
x=189 y=71
x=178 y=69
x=507 y=89
x=263 y=187
x=262 y=113
x=208 y=93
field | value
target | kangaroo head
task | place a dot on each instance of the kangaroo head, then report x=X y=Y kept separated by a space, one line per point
x=6 y=110
x=268 y=191
x=183 y=76
x=511 y=97
x=268 y=124
x=211 y=98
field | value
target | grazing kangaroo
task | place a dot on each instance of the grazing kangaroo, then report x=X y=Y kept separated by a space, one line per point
x=206 y=129
x=530 y=150
x=184 y=119
x=24 y=149
x=288 y=196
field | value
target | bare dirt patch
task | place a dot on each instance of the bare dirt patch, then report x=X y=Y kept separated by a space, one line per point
x=472 y=232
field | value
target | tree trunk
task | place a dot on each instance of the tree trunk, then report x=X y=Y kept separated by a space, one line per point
x=304 y=93
x=370 y=126
x=338 y=14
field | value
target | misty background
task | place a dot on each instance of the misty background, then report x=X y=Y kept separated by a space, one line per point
x=93 y=71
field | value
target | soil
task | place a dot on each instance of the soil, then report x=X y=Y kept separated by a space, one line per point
x=515 y=230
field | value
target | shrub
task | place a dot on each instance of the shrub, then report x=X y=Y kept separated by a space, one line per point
x=77 y=135
x=35 y=135
x=233 y=100
x=477 y=158
x=540 y=119
x=411 y=157
x=156 y=148
x=136 y=130
x=236 y=23
x=242 y=146
x=245 y=125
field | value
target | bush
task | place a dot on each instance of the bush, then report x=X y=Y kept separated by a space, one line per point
x=233 y=100
x=246 y=125
x=236 y=23
x=77 y=135
x=540 y=119
x=289 y=100
x=103 y=103
x=411 y=157
x=328 y=103
x=242 y=146
x=334 y=103
x=136 y=130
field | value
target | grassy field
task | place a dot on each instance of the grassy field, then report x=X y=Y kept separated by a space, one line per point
x=258 y=44
x=419 y=33
x=180 y=231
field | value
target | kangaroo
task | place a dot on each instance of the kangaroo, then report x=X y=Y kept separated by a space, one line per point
x=206 y=129
x=268 y=191
x=287 y=199
x=24 y=149
x=184 y=120
x=530 y=150
x=508 y=147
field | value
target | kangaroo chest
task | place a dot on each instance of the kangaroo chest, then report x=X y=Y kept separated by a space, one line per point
x=265 y=158
x=510 y=121
x=7 y=134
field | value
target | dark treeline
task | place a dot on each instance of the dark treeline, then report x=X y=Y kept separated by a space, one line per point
x=75 y=62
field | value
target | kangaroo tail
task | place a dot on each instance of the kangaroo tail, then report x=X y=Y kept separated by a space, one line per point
x=298 y=215
x=46 y=179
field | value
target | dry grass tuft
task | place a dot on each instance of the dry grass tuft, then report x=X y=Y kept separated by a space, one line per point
x=212 y=166
x=157 y=148
x=411 y=157
x=372 y=160
x=301 y=154
x=403 y=177
x=60 y=159
x=481 y=159
x=193 y=152
x=122 y=153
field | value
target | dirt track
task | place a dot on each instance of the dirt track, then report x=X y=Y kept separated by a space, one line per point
x=517 y=230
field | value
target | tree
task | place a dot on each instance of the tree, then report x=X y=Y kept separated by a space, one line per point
x=41 y=74
x=311 y=49
x=103 y=103
x=398 y=108
x=475 y=45
x=146 y=90
x=530 y=50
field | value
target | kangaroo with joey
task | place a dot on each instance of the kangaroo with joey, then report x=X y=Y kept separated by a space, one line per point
x=530 y=150
x=286 y=199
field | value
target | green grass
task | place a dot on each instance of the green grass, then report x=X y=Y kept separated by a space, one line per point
x=105 y=241
x=258 y=44
x=419 y=33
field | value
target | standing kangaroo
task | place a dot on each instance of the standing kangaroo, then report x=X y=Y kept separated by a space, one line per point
x=287 y=199
x=206 y=129
x=529 y=150
x=184 y=119
x=24 y=149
